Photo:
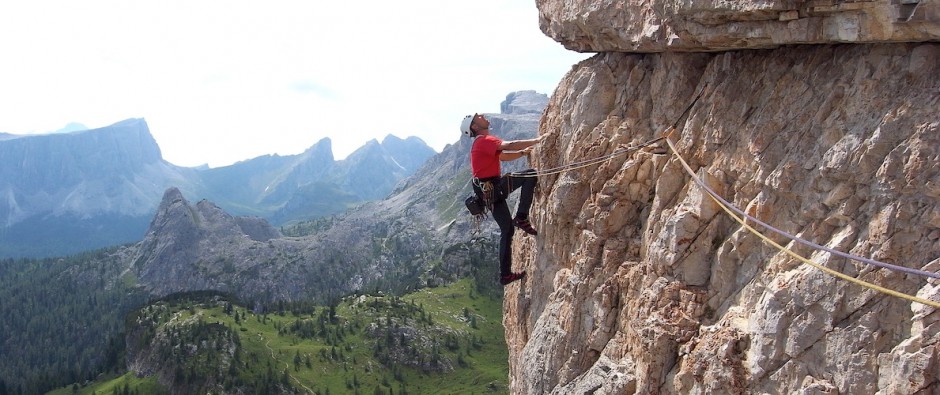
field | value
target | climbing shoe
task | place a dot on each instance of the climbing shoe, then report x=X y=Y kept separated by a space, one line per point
x=505 y=280
x=524 y=224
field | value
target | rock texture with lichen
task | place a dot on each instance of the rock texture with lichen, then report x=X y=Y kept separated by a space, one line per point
x=640 y=283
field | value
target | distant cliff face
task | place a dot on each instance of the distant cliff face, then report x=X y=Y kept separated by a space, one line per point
x=640 y=283
x=77 y=171
x=68 y=192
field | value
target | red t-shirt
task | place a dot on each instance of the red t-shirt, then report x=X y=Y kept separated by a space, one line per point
x=484 y=156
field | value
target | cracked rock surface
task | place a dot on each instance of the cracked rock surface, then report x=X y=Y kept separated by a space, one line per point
x=640 y=283
x=715 y=25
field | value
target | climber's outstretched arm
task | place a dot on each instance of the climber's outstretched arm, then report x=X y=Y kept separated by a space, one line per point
x=515 y=149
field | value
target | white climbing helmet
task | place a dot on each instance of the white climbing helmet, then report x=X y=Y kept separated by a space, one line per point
x=465 y=125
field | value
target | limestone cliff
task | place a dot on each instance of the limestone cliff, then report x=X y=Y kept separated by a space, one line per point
x=640 y=283
x=714 y=25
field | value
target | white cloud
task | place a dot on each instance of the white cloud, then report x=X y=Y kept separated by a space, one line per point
x=222 y=81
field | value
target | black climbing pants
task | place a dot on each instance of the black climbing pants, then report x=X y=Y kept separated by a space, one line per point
x=506 y=184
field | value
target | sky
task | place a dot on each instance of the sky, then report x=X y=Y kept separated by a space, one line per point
x=224 y=81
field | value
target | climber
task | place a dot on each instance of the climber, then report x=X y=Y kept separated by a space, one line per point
x=493 y=188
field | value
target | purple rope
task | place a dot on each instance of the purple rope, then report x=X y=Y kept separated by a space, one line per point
x=811 y=244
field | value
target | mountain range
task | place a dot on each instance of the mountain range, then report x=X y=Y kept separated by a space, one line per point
x=416 y=237
x=68 y=192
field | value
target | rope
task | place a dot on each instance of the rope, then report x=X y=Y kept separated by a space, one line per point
x=817 y=246
x=588 y=162
x=868 y=285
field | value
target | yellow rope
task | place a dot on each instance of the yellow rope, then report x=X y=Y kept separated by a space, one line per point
x=588 y=162
x=793 y=254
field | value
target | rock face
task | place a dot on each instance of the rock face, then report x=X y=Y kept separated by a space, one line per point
x=709 y=25
x=640 y=283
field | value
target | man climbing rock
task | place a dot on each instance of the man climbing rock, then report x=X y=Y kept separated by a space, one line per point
x=493 y=188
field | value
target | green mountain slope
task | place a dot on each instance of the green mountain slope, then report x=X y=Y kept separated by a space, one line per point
x=437 y=340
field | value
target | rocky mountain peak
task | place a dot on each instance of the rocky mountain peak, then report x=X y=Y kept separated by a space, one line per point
x=39 y=162
x=322 y=150
x=524 y=102
x=178 y=221
x=200 y=247
x=393 y=139
x=186 y=241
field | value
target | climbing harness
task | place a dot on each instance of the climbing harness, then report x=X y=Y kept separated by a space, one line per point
x=490 y=190
x=722 y=203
